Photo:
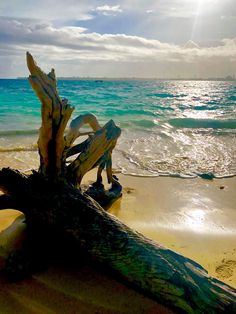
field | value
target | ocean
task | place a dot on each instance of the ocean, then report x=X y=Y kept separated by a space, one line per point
x=169 y=128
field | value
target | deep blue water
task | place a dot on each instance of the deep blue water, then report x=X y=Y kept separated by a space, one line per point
x=179 y=128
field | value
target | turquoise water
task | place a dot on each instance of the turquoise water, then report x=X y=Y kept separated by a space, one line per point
x=174 y=128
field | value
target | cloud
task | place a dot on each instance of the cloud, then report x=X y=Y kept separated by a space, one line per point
x=47 y=9
x=149 y=11
x=109 y=10
x=191 y=44
x=167 y=20
x=163 y=8
x=81 y=10
x=74 y=49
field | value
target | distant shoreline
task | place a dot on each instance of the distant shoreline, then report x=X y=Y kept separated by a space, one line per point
x=226 y=79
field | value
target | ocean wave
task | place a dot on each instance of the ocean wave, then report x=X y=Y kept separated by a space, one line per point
x=30 y=148
x=176 y=153
x=144 y=123
x=233 y=97
x=203 y=123
x=18 y=132
x=162 y=95
x=142 y=169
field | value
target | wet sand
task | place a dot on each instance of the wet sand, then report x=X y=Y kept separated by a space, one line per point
x=194 y=217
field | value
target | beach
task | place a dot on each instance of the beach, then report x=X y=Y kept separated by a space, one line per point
x=144 y=92
x=194 y=217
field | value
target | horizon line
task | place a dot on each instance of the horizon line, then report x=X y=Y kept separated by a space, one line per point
x=100 y=78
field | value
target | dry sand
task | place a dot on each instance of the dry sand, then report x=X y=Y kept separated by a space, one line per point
x=194 y=217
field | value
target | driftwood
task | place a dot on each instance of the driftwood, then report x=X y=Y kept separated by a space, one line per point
x=53 y=202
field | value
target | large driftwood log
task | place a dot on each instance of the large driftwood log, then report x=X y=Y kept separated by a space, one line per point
x=51 y=201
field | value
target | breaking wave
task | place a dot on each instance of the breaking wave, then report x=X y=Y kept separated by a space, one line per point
x=203 y=123
x=13 y=133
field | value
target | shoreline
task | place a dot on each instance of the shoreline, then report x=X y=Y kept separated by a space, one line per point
x=194 y=217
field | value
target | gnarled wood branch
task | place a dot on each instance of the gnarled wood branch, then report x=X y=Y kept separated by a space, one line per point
x=55 y=116
x=97 y=150
x=93 y=158
x=7 y=201
x=76 y=124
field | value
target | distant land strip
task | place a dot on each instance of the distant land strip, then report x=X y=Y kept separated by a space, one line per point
x=88 y=78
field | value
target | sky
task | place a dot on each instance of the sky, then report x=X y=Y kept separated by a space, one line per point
x=136 y=38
